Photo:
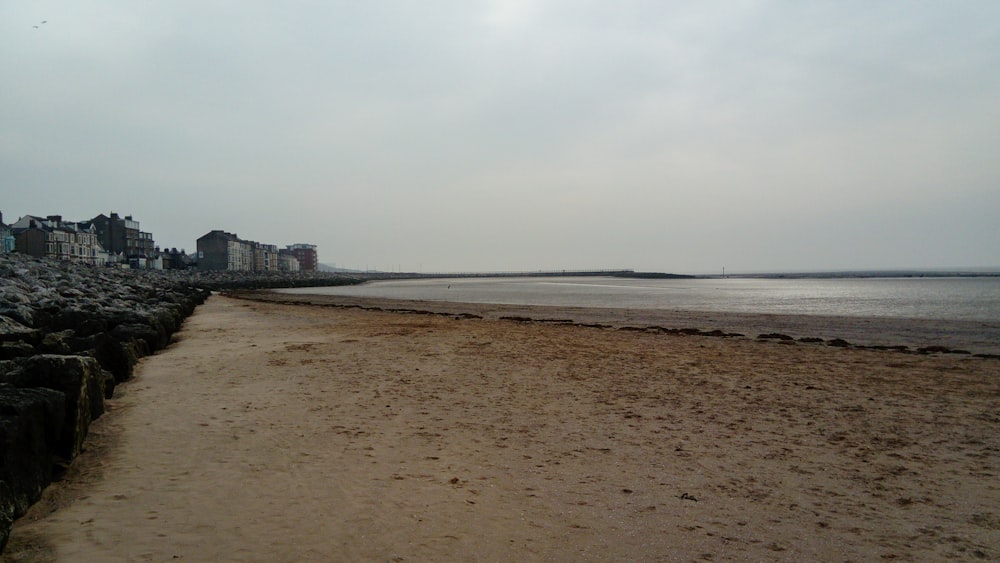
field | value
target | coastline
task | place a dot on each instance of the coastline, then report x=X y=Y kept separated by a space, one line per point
x=273 y=431
x=939 y=336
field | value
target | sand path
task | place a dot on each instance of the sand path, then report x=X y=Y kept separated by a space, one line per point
x=287 y=433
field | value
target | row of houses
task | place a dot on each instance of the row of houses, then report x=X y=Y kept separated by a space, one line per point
x=103 y=240
x=119 y=241
x=219 y=250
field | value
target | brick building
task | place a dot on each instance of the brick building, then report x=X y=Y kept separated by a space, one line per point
x=306 y=255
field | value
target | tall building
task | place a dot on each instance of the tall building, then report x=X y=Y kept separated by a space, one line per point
x=287 y=262
x=306 y=255
x=265 y=257
x=219 y=250
x=122 y=237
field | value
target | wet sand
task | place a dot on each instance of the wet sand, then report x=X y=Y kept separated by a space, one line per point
x=974 y=337
x=278 y=432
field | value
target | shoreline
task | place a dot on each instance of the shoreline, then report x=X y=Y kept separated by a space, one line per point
x=270 y=431
x=898 y=334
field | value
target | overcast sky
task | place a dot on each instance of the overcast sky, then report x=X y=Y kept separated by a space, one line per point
x=517 y=135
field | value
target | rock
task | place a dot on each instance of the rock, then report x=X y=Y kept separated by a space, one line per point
x=117 y=356
x=148 y=337
x=774 y=336
x=56 y=342
x=84 y=320
x=81 y=380
x=13 y=331
x=6 y=513
x=109 y=386
x=11 y=350
x=30 y=424
x=939 y=350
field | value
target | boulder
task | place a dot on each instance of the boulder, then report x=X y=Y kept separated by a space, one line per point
x=11 y=350
x=117 y=356
x=84 y=320
x=56 y=342
x=81 y=380
x=774 y=336
x=6 y=514
x=150 y=336
x=12 y=330
x=30 y=424
x=15 y=303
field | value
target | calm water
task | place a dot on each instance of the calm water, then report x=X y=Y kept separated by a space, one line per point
x=969 y=299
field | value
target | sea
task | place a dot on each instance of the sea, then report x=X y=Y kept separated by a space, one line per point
x=943 y=298
x=971 y=303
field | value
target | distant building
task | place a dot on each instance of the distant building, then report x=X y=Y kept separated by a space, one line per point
x=287 y=262
x=6 y=237
x=306 y=255
x=265 y=257
x=219 y=250
x=174 y=259
x=51 y=237
x=122 y=237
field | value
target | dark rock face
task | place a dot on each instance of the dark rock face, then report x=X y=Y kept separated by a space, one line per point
x=12 y=330
x=81 y=381
x=31 y=422
x=11 y=350
x=6 y=514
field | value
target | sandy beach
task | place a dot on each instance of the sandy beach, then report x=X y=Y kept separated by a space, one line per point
x=279 y=432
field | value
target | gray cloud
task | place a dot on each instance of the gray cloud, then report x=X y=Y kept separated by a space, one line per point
x=518 y=135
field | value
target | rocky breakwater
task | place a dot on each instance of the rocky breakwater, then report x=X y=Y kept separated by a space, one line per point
x=237 y=281
x=68 y=335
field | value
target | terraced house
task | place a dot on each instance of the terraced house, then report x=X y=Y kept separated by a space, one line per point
x=219 y=250
x=51 y=237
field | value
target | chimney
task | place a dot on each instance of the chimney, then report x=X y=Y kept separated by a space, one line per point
x=55 y=218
